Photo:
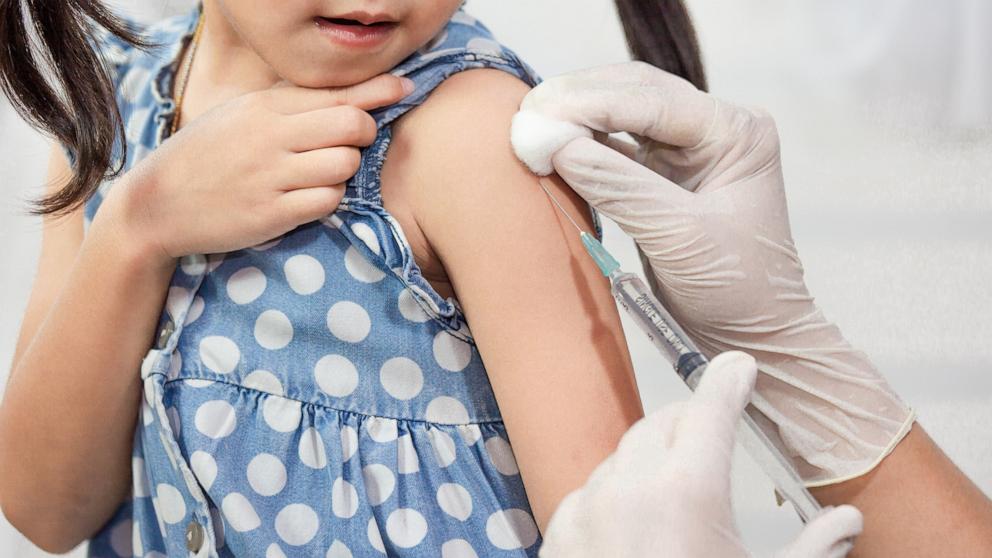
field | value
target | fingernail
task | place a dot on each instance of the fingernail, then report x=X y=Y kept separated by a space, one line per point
x=408 y=85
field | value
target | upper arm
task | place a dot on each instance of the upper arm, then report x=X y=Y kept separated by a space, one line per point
x=61 y=238
x=540 y=311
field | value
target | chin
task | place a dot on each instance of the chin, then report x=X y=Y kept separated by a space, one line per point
x=335 y=73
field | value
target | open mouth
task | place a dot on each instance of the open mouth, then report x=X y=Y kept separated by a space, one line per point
x=355 y=22
x=362 y=30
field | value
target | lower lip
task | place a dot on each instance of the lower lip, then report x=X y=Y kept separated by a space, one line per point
x=355 y=35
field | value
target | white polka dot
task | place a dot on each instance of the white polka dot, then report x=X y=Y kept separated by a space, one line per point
x=444 y=446
x=240 y=514
x=375 y=537
x=175 y=365
x=296 y=524
x=382 y=430
x=349 y=442
x=204 y=468
x=263 y=380
x=336 y=375
x=273 y=551
x=281 y=414
x=348 y=321
x=446 y=410
x=406 y=456
x=137 y=545
x=344 y=498
x=304 y=274
x=470 y=433
x=215 y=419
x=267 y=244
x=405 y=527
x=195 y=310
x=511 y=529
x=458 y=548
x=454 y=500
x=484 y=44
x=193 y=264
x=266 y=474
x=410 y=309
x=245 y=285
x=120 y=538
x=139 y=478
x=219 y=354
x=360 y=268
x=273 y=330
x=401 y=378
x=367 y=235
x=198 y=383
x=379 y=483
x=171 y=507
x=450 y=352
x=134 y=82
x=502 y=455
x=463 y=18
x=146 y=413
x=338 y=550
x=311 y=449
x=176 y=302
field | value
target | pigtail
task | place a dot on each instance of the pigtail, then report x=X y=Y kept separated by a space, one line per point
x=660 y=32
x=60 y=85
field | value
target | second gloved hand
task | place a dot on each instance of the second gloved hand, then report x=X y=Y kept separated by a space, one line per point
x=703 y=196
x=665 y=491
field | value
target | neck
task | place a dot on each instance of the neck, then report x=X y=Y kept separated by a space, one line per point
x=224 y=61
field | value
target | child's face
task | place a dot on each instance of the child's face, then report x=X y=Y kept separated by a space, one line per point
x=323 y=43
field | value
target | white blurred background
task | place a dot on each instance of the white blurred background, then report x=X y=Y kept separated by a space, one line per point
x=885 y=114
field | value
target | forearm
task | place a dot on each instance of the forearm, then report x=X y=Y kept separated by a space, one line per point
x=68 y=416
x=916 y=503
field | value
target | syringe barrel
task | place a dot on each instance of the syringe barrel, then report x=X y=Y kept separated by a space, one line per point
x=660 y=327
x=763 y=444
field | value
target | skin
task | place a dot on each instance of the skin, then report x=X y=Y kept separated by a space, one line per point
x=567 y=392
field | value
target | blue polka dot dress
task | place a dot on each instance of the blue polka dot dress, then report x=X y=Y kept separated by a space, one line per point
x=313 y=395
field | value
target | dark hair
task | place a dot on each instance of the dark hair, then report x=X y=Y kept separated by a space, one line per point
x=660 y=32
x=79 y=109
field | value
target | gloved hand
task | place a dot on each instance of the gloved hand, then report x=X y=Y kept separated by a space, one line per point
x=665 y=491
x=702 y=194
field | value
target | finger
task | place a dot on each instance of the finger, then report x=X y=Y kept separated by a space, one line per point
x=309 y=204
x=320 y=167
x=715 y=409
x=382 y=90
x=632 y=195
x=829 y=535
x=329 y=127
x=651 y=103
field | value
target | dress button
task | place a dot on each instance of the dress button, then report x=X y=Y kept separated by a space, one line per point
x=194 y=536
x=164 y=334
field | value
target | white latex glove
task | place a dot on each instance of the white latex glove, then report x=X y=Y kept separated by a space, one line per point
x=665 y=491
x=702 y=194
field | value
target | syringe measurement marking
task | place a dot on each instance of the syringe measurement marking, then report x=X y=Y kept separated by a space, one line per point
x=644 y=303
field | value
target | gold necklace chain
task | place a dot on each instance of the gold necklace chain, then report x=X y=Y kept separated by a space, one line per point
x=185 y=71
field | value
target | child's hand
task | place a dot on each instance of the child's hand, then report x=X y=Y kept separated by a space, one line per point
x=252 y=168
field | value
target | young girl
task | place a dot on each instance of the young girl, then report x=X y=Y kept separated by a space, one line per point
x=320 y=237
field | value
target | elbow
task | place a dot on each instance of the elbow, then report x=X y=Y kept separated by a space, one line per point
x=48 y=531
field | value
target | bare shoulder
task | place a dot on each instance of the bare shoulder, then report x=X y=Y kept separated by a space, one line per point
x=448 y=151
x=464 y=123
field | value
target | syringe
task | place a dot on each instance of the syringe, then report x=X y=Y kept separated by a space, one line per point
x=764 y=445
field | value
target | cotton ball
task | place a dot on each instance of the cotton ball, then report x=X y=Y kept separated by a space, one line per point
x=536 y=138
